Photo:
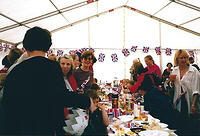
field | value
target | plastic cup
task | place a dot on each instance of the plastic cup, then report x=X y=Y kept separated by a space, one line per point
x=172 y=77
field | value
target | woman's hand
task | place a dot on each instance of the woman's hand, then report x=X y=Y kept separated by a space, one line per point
x=193 y=109
x=80 y=91
x=101 y=106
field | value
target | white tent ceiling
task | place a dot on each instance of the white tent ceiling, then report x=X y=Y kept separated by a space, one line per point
x=16 y=16
x=105 y=24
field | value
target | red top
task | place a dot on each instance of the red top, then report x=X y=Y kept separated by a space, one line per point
x=73 y=85
x=72 y=82
x=154 y=69
x=140 y=78
x=4 y=70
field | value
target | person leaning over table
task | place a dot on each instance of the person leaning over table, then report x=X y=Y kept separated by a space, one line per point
x=35 y=92
x=186 y=83
x=158 y=105
x=155 y=101
x=151 y=66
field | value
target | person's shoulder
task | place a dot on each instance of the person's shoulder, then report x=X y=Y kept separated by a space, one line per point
x=165 y=70
x=90 y=72
x=193 y=69
x=97 y=112
x=156 y=66
x=78 y=70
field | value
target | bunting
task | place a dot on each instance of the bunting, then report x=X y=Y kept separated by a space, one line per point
x=145 y=49
x=83 y=49
x=23 y=49
x=157 y=49
x=133 y=48
x=1 y=47
x=6 y=47
x=191 y=53
x=91 y=49
x=114 y=57
x=72 y=52
x=168 y=51
x=101 y=57
x=12 y=47
x=49 y=52
x=59 y=53
x=125 y=52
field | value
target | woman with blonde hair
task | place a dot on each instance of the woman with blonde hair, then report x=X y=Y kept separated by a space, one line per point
x=133 y=76
x=67 y=66
x=186 y=82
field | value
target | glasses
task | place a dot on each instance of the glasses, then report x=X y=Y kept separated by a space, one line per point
x=182 y=57
x=88 y=58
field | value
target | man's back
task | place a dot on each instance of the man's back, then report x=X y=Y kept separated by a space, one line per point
x=33 y=97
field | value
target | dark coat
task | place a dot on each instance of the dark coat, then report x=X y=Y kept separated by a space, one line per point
x=34 y=98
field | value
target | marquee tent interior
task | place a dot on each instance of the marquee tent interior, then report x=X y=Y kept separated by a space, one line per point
x=108 y=27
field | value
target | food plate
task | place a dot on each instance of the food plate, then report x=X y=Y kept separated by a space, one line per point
x=153 y=133
x=126 y=118
x=137 y=130
x=163 y=125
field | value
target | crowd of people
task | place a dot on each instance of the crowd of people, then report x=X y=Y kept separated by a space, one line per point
x=37 y=92
x=180 y=111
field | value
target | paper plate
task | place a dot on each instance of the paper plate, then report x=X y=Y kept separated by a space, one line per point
x=163 y=125
x=153 y=133
x=126 y=118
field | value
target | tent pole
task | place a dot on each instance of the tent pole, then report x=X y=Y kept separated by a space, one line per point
x=160 y=42
x=162 y=8
x=190 y=21
x=89 y=33
x=124 y=42
x=7 y=42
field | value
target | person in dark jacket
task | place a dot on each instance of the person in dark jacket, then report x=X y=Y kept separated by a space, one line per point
x=159 y=106
x=35 y=92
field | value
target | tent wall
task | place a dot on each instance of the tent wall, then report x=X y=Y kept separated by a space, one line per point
x=110 y=32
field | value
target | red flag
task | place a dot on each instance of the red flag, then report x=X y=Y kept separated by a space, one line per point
x=90 y=1
x=111 y=10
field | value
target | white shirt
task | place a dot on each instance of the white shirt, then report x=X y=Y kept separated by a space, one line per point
x=190 y=83
x=68 y=85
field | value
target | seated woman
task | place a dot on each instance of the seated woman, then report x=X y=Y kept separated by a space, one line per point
x=98 y=120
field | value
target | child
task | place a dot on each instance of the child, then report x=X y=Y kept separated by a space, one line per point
x=98 y=120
